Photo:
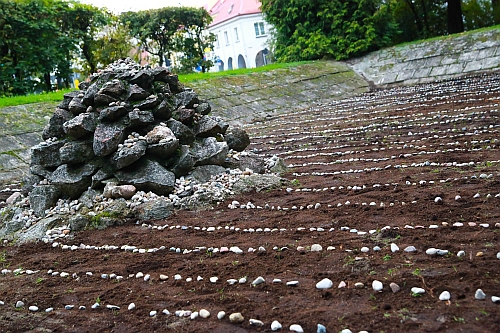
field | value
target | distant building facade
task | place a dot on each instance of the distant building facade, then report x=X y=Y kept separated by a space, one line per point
x=242 y=35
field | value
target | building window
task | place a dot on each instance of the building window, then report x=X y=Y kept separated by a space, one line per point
x=217 y=43
x=226 y=37
x=236 y=37
x=259 y=29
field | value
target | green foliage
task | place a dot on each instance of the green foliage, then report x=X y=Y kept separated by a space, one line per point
x=41 y=37
x=165 y=31
x=307 y=30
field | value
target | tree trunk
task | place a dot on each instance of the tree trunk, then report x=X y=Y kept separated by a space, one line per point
x=418 y=22
x=455 y=19
x=495 y=4
x=46 y=78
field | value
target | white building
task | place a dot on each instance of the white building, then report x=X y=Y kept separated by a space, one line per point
x=242 y=35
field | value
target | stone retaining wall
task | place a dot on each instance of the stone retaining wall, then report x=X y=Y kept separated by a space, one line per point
x=432 y=60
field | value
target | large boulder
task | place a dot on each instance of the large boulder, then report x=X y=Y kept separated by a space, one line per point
x=128 y=154
x=73 y=181
x=107 y=137
x=237 y=139
x=47 y=154
x=148 y=176
x=80 y=126
x=55 y=126
x=43 y=197
x=209 y=151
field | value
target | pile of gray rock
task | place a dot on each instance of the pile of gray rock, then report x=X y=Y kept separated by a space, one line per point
x=130 y=128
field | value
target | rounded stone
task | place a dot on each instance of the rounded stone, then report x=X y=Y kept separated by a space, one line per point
x=236 y=317
x=33 y=308
x=417 y=290
x=444 y=296
x=394 y=287
x=324 y=284
x=204 y=313
x=275 y=325
x=296 y=328
x=480 y=295
x=377 y=285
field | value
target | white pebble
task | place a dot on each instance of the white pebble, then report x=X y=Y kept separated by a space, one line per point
x=275 y=325
x=296 y=328
x=417 y=290
x=131 y=306
x=221 y=315
x=394 y=247
x=324 y=284
x=204 y=313
x=480 y=295
x=377 y=285
x=444 y=296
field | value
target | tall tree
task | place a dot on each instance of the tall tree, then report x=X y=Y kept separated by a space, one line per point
x=454 y=15
x=194 y=39
x=328 y=28
x=155 y=29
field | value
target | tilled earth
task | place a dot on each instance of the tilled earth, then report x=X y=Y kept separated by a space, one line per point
x=366 y=171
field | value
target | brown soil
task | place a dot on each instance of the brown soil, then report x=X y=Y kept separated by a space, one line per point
x=430 y=112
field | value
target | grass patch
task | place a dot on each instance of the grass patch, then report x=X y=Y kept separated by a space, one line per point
x=191 y=77
x=55 y=96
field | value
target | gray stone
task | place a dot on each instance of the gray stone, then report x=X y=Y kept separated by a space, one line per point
x=74 y=152
x=252 y=162
x=88 y=198
x=115 y=214
x=112 y=113
x=148 y=176
x=79 y=222
x=76 y=106
x=210 y=126
x=82 y=125
x=237 y=139
x=46 y=154
x=164 y=150
x=203 y=173
x=187 y=99
x=140 y=118
x=143 y=79
x=153 y=210
x=55 y=126
x=209 y=151
x=136 y=93
x=203 y=108
x=181 y=131
x=107 y=137
x=9 y=222
x=100 y=175
x=148 y=104
x=104 y=100
x=73 y=181
x=37 y=231
x=43 y=197
x=128 y=155
x=68 y=97
x=114 y=88
x=257 y=183
x=30 y=181
x=279 y=167
x=182 y=162
x=164 y=110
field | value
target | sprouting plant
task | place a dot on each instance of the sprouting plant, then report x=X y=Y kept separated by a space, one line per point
x=417 y=271
x=386 y=257
x=39 y=280
x=387 y=315
x=98 y=300
x=391 y=271
x=460 y=320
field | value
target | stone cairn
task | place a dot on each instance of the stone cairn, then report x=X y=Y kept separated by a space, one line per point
x=132 y=127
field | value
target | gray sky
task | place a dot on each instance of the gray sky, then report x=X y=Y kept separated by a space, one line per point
x=118 y=6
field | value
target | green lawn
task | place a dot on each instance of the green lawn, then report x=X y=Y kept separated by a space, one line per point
x=55 y=96
x=58 y=95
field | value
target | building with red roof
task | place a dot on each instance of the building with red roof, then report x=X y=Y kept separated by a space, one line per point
x=242 y=34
